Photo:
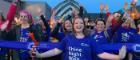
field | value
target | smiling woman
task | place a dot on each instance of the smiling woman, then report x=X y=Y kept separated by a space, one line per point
x=78 y=46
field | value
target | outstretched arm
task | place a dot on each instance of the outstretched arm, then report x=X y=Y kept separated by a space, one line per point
x=49 y=53
x=122 y=54
x=52 y=52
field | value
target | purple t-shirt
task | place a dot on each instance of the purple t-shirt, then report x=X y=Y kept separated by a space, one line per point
x=100 y=38
x=79 y=49
x=136 y=39
x=124 y=35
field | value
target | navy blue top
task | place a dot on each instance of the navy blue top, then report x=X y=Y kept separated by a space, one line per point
x=101 y=38
x=136 y=39
x=24 y=37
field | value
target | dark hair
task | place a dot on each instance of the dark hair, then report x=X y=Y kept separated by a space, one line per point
x=100 y=20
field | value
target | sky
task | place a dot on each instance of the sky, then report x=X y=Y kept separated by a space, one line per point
x=92 y=6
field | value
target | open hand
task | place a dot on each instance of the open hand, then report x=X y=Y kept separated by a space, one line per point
x=122 y=52
x=102 y=7
x=106 y=8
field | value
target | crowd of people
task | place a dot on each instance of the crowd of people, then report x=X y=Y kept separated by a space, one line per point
x=78 y=35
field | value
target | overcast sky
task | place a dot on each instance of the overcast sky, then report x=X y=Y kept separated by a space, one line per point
x=92 y=6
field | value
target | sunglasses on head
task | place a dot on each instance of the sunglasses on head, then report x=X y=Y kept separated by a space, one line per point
x=22 y=16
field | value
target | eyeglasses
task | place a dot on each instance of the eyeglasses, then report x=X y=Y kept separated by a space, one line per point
x=22 y=16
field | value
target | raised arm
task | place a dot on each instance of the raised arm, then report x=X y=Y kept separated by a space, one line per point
x=52 y=20
x=10 y=15
x=57 y=28
x=45 y=22
x=107 y=11
x=109 y=22
x=101 y=10
x=81 y=11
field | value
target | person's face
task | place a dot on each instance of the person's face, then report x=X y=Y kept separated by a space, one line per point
x=68 y=25
x=100 y=26
x=23 y=18
x=78 y=25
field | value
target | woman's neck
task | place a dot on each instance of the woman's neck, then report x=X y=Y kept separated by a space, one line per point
x=99 y=31
x=80 y=35
x=25 y=25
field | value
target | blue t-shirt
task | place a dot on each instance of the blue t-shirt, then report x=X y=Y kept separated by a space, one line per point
x=78 y=49
x=24 y=37
x=136 y=39
x=123 y=35
x=100 y=38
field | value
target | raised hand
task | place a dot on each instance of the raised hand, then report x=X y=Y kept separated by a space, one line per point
x=60 y=20
x=53 y=12
x=106 y=8
x=102 y=7
x=33 y=52
x=4 y=25
x=125 y=6
x=18 y=22
x=133 y=3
